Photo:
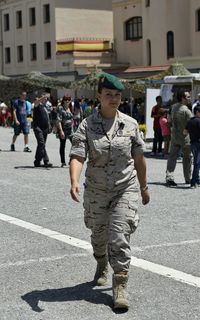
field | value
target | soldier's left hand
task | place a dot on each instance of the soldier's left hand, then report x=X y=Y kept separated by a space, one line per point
x=145 y=197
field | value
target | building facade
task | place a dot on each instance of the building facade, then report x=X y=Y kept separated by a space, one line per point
x=61 y=37
x=155 y=32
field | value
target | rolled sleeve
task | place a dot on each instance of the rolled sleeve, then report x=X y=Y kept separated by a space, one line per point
x=79 y=142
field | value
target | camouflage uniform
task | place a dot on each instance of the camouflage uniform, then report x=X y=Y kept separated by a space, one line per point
x=111 y=189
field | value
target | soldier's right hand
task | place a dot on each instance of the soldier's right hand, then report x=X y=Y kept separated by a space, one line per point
x=75 y=192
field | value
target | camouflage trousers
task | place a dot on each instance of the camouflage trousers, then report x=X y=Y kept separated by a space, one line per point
x=112 y=217
x=172 y=159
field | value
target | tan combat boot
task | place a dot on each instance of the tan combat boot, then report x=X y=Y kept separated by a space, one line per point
x=120 y=296
x=101 y=271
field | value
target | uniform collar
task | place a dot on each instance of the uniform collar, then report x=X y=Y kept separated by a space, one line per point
x=97 y=118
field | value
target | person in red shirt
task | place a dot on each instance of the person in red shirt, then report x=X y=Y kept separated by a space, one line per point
x=158 y=138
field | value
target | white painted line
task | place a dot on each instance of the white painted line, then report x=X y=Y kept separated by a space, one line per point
x=166 y=272
x=170 y=244
x=40 y=260
x=47 y=232
x=139 y=263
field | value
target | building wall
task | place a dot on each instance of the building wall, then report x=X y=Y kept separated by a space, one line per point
x=195 y=35
x=159 y=18
x=127 y=50
x=38 y=34
x=1 y=47
x=84 y=19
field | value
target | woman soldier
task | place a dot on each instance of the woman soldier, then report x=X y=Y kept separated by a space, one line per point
x=112 y=142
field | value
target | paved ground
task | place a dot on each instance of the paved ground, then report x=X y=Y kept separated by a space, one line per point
x=46 y=265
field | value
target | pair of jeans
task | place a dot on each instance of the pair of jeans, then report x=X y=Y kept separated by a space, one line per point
x=157 y=141
x=41 y=137
x=195 y=147
x=62 y=148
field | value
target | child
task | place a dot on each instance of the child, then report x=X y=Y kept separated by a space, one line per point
x=165 y=129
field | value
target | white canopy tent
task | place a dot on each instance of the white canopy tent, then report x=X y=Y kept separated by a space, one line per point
x=191 y=82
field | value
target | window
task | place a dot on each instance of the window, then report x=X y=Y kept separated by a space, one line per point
x=147 y=3
x=46 y=13
x=47 y=50
x=134 y=28
x=170 y=44
x=20 y=56
x=33 y=51
x=32 y=17
x=198 y=20
x=7 y=56
x=149 y=52
x=6 y=22
x=18 y=19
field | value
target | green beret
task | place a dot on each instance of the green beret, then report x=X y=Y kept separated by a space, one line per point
x=109 y=81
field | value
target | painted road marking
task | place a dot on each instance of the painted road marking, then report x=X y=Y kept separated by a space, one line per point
x=169 y=244
x=41 y=259
x=166 y=272
x=47 y=232
x=139 y=263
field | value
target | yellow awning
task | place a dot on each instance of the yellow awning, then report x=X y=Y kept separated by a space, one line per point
x=87 y=46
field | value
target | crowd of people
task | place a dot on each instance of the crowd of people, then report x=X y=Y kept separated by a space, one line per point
x=61 y=117
x=172 y=139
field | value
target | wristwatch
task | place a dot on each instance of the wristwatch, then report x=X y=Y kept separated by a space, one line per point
x=144 y=188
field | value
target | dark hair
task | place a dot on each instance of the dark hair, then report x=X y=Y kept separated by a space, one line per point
x=158 y=98
x=66 y=98
x=196 y=109
x=162 y=111
x=181 y=94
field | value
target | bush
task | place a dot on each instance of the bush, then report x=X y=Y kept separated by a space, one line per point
x=143 y=128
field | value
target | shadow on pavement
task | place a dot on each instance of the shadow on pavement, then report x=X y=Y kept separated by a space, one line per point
x=84 y=291
x=11 y=151
x=149 y=156
x=182 y=186
x=157 y=183
x=35 y=168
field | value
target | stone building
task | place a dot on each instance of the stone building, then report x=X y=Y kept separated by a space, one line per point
x=63 y=38
x=157 y=32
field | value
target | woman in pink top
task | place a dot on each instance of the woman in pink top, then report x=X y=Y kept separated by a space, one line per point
x=165 y=129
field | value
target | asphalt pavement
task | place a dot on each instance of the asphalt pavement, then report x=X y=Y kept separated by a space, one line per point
x=46 y=263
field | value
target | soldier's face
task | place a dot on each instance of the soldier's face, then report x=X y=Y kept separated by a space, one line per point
x=109 y=98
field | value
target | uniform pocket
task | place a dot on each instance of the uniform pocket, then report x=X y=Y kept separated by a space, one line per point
x=123 y=145
x=132 y=216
